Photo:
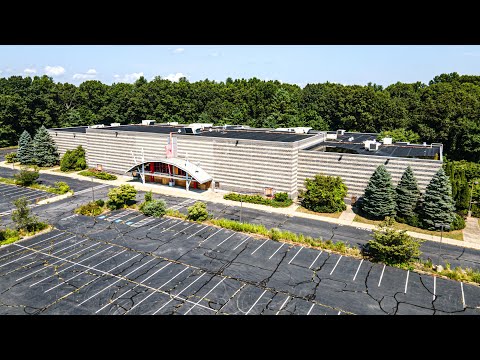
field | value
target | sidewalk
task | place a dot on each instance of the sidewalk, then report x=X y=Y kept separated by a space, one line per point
x=472 y=239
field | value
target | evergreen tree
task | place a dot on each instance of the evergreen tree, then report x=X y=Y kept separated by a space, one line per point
x=25 y=151
x=407 y=194
x=438 y=205
x=379 y=197
x=46 y=153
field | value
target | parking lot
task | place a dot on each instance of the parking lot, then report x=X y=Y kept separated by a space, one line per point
x=126 y=263
x=10 y=193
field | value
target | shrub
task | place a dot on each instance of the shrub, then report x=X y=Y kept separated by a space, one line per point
x=45 y=149
x=60 y=187
x=21 y=216
x=11 y=157
x=98 y=174
x=458 y=223
x=324 y=194
x=100 y=202
x=26 y=177
x=148 y=196
x=392 y=247
x=154 y=208
x=258 y=199
x=8 y=236
x=175 y=213
x=93 y=208
x=281 y=197
x=198 y=211
x=121 y=196
x=73 y=160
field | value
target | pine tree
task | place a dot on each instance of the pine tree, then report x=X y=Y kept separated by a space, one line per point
x=25 y=152
x=438 y=205
x=379 y=197
x=46 y=153
x=407 y=194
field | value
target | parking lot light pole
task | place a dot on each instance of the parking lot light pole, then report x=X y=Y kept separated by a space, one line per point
x=441 y=226
x=93 y=193
x=241 y=207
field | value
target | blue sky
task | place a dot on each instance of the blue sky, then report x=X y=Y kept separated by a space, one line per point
x=299 y=64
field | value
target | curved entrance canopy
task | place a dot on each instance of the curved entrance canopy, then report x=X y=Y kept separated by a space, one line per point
x=192 y=171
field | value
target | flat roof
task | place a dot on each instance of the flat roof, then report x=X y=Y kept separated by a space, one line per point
x=78 y=129
x=249 y=134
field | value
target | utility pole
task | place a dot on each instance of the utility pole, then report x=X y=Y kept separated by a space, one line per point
x=241 y=207
x=93 y=192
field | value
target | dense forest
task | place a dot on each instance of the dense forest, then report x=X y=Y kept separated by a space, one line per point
x=447 y=110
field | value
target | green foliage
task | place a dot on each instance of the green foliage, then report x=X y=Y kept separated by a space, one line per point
x=400 y=134
x=458 y=223
x=11 y=157
x=22 y=218
x=25 y=151
x=26 y=177
x=148 y=196
x=121 y=196
x=259 y=199
x=93 y=208
x=9 y=236
x=280 y=197
x=98 y=174
x=45 y=150
x=198 y=211
x=438 y=206
x=100 y=202
x=324 y=194
x=379 y=198
x=73 y=160
x=60 y=188
x=154 y=208
x=175 y=213
x=407 y=195
x=391 y=246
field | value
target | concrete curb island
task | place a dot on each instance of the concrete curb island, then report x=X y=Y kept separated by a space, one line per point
x=217 y=197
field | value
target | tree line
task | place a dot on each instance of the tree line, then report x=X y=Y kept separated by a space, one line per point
x=447 y=110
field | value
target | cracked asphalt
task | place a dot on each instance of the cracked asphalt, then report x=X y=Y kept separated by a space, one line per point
x=126 y=263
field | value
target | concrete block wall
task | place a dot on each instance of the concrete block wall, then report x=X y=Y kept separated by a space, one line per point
x=356 y=170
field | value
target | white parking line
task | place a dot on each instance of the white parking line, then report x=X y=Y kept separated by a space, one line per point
x=235 y=248
x=233 y=296
x=14 y=191
x=169 y=301
x=160 y=223
x=178 y=222
x=142 y=282
x=331 y=272
x=381 y=276
x=16 y=251
x=434 y=287
x=118 y=215
x=23 y=257
x=144 y=222
x=294 y=256
x=463 y=295
x=56 y=262
x=276 y=251
x=154 y=292
x=313 y=262
x=204 y=296
x=195 y=233
x=406 y=282
x=79 y=262
x=216 y=232
x=182 y=204
x=28 y=197
x=357 y=270
x=254 y=251
x=255 y=303
x=281 y=307
x=84 y=271
x=109 y=286
x=126 y=220
x=225 y=240
x=308 y=313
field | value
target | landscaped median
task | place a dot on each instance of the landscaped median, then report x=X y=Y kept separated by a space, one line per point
x=279 y=200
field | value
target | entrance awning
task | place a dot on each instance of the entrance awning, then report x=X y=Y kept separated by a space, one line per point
x=195 y=171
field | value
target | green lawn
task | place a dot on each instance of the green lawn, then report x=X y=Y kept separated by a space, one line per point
x=456 y=234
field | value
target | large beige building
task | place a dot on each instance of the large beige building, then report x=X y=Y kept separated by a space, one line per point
x=236 y=158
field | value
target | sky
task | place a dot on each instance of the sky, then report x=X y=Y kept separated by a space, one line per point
x=295 y=64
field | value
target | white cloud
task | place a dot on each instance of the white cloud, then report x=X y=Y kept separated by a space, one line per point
x=175 y=77
x=29 y=71
x=54 y=70
x=128 y=78
x=178 y=50
x=90 y=74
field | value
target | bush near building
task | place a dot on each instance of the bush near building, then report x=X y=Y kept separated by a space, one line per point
x=407 y=196
x=154 y=208
x=98 y=174
x=279 y=200
x=324 y=194
x=26 y=177
x=198 y=212
x=11 y=158
x=73 y=160
x=25 y=152
x=379 y=197
x=121 y=196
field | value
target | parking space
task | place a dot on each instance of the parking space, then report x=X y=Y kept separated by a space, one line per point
x=10 y=193
x=127 y=263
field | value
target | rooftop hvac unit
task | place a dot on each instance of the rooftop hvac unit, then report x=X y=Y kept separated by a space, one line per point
x=387 y=141
x=192 y=129
x=331 y=136
x=340 y=132
x=172 y=123
x=373 y=146
x=351 y=138
x=97 y=126
x=148 y=122
x=114 y=124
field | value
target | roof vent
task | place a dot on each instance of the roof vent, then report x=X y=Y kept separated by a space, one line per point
x=387 y=141
x=148 y=122
x=172 y=123
x=351 y=138
x=340 y=132
x=97 y=126
x=114 y=124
